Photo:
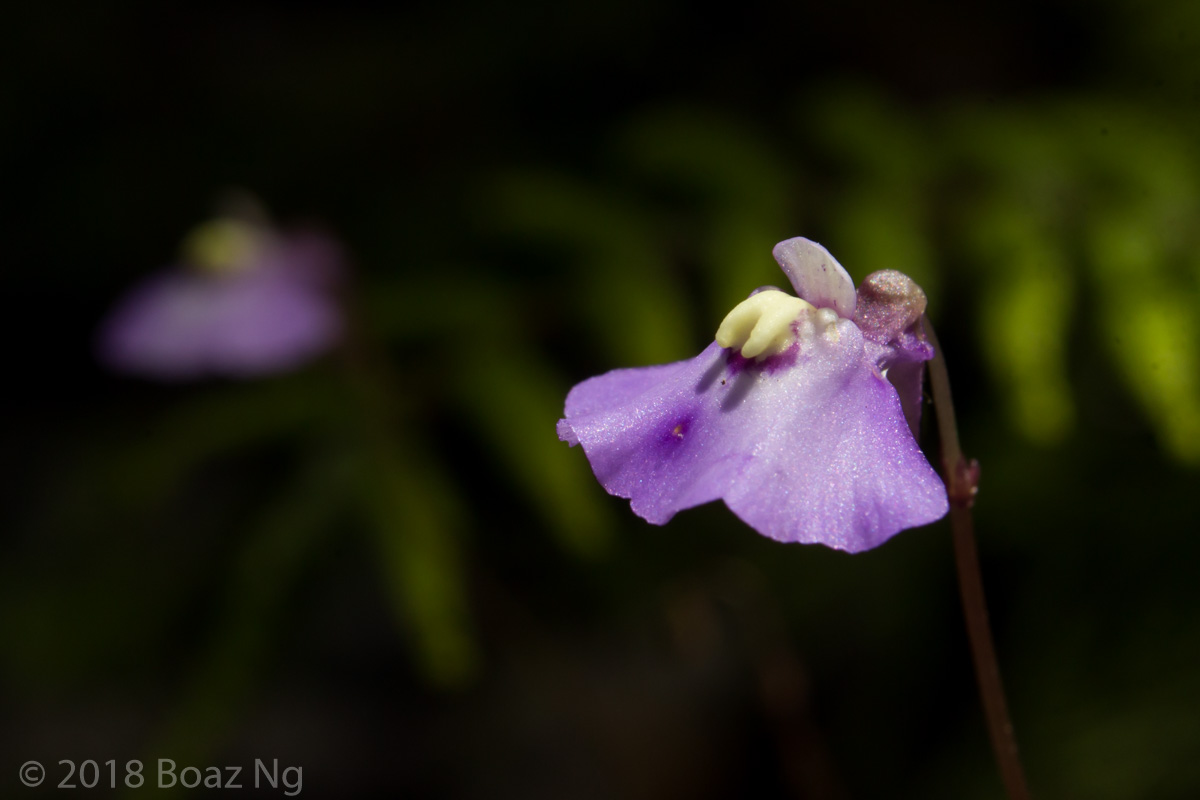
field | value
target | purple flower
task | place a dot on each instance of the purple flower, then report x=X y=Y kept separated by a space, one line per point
x=800 y=416
x=247 y=301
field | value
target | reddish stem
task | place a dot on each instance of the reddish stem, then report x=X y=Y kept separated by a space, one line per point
x=962 y=483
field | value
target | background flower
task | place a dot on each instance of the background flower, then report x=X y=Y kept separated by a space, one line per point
x=246 y=301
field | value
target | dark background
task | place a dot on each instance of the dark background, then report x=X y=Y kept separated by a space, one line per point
x=393 y=574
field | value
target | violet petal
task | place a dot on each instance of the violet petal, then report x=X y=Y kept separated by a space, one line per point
x=808 y=446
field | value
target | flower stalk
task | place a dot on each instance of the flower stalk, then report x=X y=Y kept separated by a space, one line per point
x=962 y=483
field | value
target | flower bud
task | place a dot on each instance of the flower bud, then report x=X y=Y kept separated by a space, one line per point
x=888 y=303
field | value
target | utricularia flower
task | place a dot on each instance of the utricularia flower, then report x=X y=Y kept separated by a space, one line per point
x=246 y=300
x=800 y=416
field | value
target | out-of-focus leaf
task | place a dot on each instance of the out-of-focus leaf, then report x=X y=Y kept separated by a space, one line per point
x=1025 y=320
x=716 y=156
x=515 y=403
x=1122 y=749
x=277 y=548
x=621 y=280
x=1014 y=150
x=1129 y=154
x=737 y=177
x=872 y=136
x=210 y=423
x=413 y=510
x=413 y=513
x=875 y=229
x=446 y=301
x=640 y=312
x=1129 y=176
x=737 y=259
x=1027 y=304
x=563 y=210
x=58 y=649
x=1153 y=328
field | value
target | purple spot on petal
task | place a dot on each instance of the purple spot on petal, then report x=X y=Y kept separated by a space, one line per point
x=782 y=361
x=771 y=365
x=736 y=363
x=675 y=431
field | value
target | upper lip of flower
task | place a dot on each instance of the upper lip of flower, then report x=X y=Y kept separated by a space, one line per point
x=816 y=275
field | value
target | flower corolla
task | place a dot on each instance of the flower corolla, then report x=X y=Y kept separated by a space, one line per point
x=801 y=415
x=246 y=300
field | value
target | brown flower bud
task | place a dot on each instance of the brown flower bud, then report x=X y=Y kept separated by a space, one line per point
x=888 y=303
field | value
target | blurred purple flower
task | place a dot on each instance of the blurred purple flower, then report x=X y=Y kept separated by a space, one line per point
x=800 y=416
x=246 y=301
